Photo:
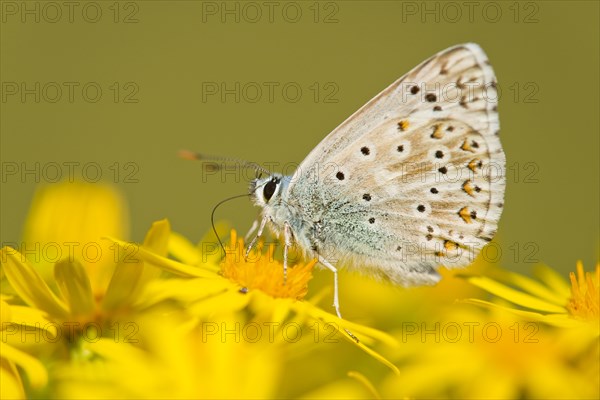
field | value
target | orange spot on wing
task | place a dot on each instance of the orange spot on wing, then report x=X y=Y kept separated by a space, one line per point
x=403 y=125
x=449 y=245
x=465 y=214
x=437 y=132
x=474 y=164
x=466 y=146
x=468 y=187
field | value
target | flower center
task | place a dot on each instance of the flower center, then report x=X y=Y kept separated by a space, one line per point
x=261 y=271
x=585 y=295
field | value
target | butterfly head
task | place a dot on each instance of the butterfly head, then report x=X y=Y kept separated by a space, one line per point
x=266 y=191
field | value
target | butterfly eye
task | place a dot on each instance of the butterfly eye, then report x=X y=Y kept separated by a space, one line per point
x=269 y=190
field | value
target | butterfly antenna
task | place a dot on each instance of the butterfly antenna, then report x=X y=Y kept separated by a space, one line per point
x=214 y=161
x=212 y=218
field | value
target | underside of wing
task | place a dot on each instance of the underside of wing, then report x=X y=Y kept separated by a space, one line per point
x=457 y=82
x=417 y=174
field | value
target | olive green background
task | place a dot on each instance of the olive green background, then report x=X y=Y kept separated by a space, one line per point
x=163 y=55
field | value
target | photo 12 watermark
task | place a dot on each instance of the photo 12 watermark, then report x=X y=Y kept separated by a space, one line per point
x=70 y=12
x=53 y=332
x=90 y=252
x=270 y=12
x=69 y=171
x=90 y=92
x=452 y=12
x=469 y=332
x=271 y=332
x=269 y=92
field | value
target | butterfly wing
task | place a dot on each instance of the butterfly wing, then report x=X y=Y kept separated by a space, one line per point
x=415 y=178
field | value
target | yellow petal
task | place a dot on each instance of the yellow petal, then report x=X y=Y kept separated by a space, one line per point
x=553 y=280
x=363 y=380
x=208 y=251
x=367 y=334
x=226 y=302
x=532 y=286
x=514 y=296
x=32 y=318
x=363 y=333
x=74 y=284
x=157 y=238
x=38 y=377
x=4 y=296
x=375 y=355
x=186 y=291
x=164 y=263
x=12 y=385
x=341 y=389
x=560 y=320
x=76 y=211
x=281 y=307
x=156 y=241
x=72 y=217
x=5 y=314
x=29 y=285
x=122 y=285
x=183 y=250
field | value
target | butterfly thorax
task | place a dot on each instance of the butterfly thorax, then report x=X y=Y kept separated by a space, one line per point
x=271 y=194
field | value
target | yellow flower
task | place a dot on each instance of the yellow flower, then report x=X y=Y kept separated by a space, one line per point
x=228 y=337
x=62 y=250
x=84 y=299
x=549 y=300
x=452 y=350
x=175 y=361
x=472 y=353
x=567 y=317
x=221 y=290
x=265 y=273
x=67 y=220
x=76 y=310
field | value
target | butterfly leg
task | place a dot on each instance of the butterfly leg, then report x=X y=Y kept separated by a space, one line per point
x=287 y=237
x=251 y=230
x=258 y=234
x=336 y=298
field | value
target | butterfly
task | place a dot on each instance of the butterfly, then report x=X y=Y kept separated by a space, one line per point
x=411 y=181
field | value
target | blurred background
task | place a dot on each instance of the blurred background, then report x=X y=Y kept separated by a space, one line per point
x=111 y=91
